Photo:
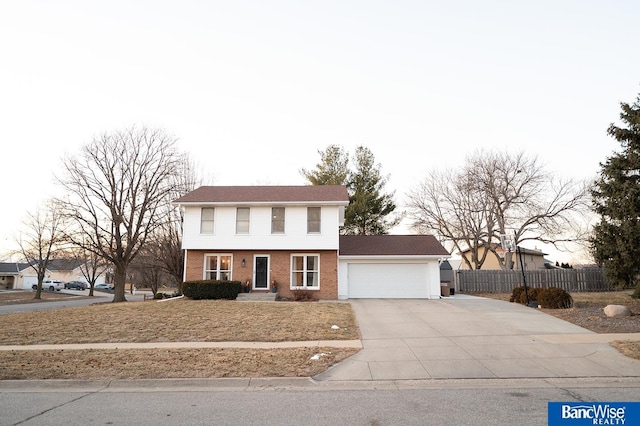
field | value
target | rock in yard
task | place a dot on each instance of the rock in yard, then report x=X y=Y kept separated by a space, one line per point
x=617 y=311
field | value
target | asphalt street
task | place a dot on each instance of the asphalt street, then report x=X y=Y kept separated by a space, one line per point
x=300 y=401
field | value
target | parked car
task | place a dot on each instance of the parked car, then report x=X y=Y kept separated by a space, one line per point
x=103 y=287
x=77 y=285
x=51 y=285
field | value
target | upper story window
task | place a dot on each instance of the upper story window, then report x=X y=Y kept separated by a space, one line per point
x=313 y=220
x=242 y=220
x=277 y=220
x=206 y=220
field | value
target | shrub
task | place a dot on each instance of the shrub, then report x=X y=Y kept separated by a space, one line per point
x=211 y=289
x=518 y=295
x=158 y=296
x=300 y=295
x=555 y=298
x=551 y=298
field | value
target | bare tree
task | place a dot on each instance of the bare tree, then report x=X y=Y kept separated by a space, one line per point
x=91 y=266
x=451 y=207
x=501 y=194
x=116 y=189
x=41 y=240
x=164 y=254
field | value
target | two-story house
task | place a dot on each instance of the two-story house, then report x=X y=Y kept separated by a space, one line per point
x=289 y=236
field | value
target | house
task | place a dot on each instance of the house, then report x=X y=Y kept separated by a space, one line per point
x=532 y=259
x=288 y=236
x=17 y=275
x=22 y=276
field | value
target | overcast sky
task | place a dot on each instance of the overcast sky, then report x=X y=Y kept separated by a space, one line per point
x=253 y=89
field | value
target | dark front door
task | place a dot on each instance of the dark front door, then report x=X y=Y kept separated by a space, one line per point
x=262 y=273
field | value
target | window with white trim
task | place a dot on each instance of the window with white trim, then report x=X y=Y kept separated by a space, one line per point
x=242 y=220
x=217 y=267
x=313 y=220
x=305 y=271
x=206 y=220
x=277 y=220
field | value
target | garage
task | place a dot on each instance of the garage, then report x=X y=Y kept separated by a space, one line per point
x=28 y=281
x=389 y=267
x=388 y=280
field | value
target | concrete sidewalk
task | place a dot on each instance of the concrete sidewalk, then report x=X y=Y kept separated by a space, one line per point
x=189 y=345
x=474 y=338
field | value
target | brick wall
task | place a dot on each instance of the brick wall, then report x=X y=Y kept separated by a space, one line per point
x=280 y=266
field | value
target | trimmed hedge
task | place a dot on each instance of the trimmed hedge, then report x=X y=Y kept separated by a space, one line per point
x=211 y=289
x=550 y=298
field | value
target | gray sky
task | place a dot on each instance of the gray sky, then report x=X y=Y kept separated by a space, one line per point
x=252 y=89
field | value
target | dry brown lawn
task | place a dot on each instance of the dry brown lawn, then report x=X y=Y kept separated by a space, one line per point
x=180 y=320
x=219 y=321
x=14 y=297
x=117 y=364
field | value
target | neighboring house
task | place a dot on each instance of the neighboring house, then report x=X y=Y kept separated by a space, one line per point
x=22 y=276
x=16 y=275
x=289 y=236
x=9 y=274
x=532 y=259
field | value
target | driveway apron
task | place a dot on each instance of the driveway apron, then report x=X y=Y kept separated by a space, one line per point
x=466 y=337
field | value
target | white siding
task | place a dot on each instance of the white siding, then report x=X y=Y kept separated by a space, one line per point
x=259 y=237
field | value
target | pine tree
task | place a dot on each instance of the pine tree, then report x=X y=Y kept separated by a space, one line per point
x=331 y=170
x=616 y=199
x=368 y=206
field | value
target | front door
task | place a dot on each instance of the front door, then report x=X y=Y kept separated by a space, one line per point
x=261 y=268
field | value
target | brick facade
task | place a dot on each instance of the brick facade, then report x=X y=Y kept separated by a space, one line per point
x=280 y=267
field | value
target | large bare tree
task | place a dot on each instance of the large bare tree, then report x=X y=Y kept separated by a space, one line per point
x=496 y=194
x=162 y=260
x=116 y=190
x=42 y=238
x=451 y=207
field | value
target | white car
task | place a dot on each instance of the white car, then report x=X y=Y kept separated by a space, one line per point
x=51 y=285
x=106 y=287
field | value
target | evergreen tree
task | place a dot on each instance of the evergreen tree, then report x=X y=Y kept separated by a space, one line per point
x=616 y=199
x=368 y=205
x=333 y=168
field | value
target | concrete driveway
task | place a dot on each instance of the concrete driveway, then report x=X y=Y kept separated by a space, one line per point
x=470 y=337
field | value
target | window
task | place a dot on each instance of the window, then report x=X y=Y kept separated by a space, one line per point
x=277 y=220
x=206 y=220
x=242 y=220
x=313 y=220
x=305 y=271
x=217 y=267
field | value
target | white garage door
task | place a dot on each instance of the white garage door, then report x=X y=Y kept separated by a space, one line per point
x=28 y=281
x=393 y=280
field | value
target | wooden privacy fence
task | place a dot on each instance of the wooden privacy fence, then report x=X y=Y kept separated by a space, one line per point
x=571 y=280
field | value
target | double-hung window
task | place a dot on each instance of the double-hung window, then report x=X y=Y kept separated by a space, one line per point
x=206 y=220
x=217 y=267
x=277 y=220
x=305 y=271
x=242 y=220
x=313 y=220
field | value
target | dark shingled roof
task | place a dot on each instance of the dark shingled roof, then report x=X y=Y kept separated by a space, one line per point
x=391 y=245
x=12 y=267
x=266 y=194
